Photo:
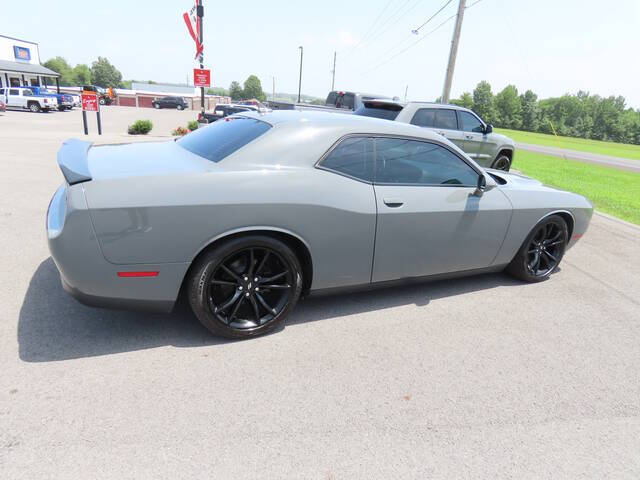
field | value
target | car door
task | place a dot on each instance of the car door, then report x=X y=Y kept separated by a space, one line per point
x=14 y=99
x=429 y=219
x=442 y=120
x=475 y=139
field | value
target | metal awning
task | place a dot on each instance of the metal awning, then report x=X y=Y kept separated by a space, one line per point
x=31 y=68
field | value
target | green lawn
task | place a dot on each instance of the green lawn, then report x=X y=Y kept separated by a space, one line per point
x=613 y=191
x=622 y=150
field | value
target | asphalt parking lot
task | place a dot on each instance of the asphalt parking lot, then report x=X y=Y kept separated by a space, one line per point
x=483 y=377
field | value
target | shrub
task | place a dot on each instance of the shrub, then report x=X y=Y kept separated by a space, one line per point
x=180 y=131
x=140 y=127
x=192 y=125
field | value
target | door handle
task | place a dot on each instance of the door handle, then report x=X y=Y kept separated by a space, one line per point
x=440 y=133
x=469 y=136
x=393 y=202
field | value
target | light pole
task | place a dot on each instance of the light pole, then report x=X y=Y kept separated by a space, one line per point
x=446 y=91
x=300 y=80
x=333 y=78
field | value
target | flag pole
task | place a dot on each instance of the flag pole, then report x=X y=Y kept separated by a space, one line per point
x=200 y=14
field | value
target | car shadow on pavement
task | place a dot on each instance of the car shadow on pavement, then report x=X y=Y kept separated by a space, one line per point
x=53 y=326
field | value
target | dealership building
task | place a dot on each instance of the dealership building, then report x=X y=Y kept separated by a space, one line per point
x=20 y=64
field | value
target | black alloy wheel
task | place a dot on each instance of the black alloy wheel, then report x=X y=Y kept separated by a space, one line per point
x=245 y=287
x=502 y=163
x=542 y=251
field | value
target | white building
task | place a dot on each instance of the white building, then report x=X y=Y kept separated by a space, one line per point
x=20 y=64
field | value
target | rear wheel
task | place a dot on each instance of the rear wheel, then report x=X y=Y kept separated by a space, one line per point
x=245 y=287
x=542 y=250
x=156 y=105
x=502 y=163
x=180 y=107
x=34 y=107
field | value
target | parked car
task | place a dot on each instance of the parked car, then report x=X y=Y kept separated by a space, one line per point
x=274 y=206
x=460 y=125
x=224 y=110
x=24 y=98
x=104 y=98
x=170 y=102
x=65 y=101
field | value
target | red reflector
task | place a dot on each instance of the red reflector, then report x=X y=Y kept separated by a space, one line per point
x=137 y=274
x=577 y=236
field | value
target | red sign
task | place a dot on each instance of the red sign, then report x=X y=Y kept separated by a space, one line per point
x=90 y=102
x=201 y=78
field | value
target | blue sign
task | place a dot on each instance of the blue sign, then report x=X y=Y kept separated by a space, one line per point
x=21 y=53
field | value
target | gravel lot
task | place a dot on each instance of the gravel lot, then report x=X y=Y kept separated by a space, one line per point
x=482 y=377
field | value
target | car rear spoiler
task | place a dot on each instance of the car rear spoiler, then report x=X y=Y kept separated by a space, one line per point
x=72 y=158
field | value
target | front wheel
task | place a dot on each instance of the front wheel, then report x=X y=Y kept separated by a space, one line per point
x=180 y=107
x=502 y=163
x=34 y=107
x=102 y=101
x=245 y=287
x=156 y=106
x=542 y=250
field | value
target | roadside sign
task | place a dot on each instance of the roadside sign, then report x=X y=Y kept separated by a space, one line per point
x=201 y=77
x=90 y=102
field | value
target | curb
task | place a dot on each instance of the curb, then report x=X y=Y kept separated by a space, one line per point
x=617 y=220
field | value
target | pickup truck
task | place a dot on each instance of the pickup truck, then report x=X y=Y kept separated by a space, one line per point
x=65 y=101
x=104 y=96
x=224 y=110
x=337 y=101
x=24 y=98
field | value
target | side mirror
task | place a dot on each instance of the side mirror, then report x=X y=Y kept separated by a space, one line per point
x=488 y=129
x=481 y=187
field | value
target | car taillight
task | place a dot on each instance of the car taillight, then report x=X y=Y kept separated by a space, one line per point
x=200 y=116
x=46 y=101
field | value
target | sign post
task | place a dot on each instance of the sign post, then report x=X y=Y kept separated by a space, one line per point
x=90 y=103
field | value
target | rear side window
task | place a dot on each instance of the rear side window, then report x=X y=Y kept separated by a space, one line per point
x=220 y=139
x=331 y=98
x=386 y=111
x=436 y=118
x=353 y=157
x=13 y=92
x=424 y=117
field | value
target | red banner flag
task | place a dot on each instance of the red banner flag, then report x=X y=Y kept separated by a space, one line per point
x=192 y=21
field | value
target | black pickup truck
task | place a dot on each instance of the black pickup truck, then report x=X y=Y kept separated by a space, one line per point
x=337 y=101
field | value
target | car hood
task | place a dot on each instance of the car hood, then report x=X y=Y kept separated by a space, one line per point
x=143 y=159
x=501 y=139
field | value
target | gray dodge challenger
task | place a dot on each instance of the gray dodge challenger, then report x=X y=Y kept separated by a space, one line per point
x=247 y=215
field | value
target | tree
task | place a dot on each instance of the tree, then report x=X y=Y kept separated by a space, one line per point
x=223 y=92
x=235 y=91
x=60 y=65
x=104 y=74
x=530 y=111
x=465 y=100
x=483 y=102
x=509 y=108
x=253 y=88
x=82 y=74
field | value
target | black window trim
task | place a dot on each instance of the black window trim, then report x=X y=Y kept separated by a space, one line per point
x=458 y=112
x=373 y=136
x=454 y=110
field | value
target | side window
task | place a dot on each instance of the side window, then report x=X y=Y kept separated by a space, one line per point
x=13 y=92
x=470 y=123
x=352 y=157
x=412 y=162
x=424 y=117
x=331 y=98
x=446 y=119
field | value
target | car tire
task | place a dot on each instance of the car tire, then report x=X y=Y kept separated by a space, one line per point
x=180 y=107
x=502 y=163
x=229 y=271
x=542 y=250
x=34 y=107
x=156 y=106
x=102 y=101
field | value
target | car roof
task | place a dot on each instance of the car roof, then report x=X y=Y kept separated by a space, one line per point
x=344 y=122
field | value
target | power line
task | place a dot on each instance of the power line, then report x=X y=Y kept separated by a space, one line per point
x=415 y=31
x=382 y=32
x=370 y=28
x=418 y=41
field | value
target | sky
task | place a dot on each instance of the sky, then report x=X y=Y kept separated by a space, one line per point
x=549 y=46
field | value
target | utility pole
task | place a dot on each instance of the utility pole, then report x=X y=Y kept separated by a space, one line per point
x=406 y=90
x=300 y=81
x=200 y=13
x=446 y=91
x=333 y=80
x=273 y=88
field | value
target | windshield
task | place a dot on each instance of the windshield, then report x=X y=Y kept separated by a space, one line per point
x=220 y=139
